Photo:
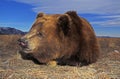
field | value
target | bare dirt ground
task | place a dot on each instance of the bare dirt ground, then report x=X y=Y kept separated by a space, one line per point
x=12 y=66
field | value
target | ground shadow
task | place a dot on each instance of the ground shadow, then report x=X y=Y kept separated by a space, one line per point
x=28 y=56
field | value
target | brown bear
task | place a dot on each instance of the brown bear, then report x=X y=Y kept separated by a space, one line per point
x=64 y=38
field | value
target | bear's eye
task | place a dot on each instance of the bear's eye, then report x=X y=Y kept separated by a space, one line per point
x=40 y=34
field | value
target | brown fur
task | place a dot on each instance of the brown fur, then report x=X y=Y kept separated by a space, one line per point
x=66 y=38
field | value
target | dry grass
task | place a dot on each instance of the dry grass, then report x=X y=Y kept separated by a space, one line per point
x=109 y=44
x=12 y=66
x=10 y=42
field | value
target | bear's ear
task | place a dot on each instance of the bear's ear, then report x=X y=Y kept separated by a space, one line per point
x=72 y=13
x=64 y=23
x=40 y=15
x=75 y=19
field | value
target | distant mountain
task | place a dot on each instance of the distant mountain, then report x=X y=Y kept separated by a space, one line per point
x=103 y=36
x=107 y=37
x=9 y=30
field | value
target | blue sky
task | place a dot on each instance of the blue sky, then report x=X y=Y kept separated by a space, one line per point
x=104 y=15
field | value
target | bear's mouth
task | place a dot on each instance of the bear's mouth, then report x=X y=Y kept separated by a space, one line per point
x=26 y=50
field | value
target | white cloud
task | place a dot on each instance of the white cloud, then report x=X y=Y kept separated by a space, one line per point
x=101 y=7
x=110 y=21
x=111 y=16
x=81 y=6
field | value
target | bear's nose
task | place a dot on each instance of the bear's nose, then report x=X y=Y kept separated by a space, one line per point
x=22 y=42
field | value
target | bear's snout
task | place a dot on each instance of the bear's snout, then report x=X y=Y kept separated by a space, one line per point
x=23 y=42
